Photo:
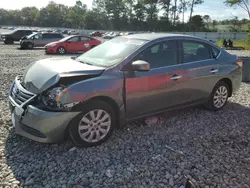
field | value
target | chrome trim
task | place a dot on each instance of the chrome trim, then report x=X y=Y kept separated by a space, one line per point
x=214 y=70
x=17 y=84
x=176 y=77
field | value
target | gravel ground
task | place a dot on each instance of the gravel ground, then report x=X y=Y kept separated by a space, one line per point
x=212 y=149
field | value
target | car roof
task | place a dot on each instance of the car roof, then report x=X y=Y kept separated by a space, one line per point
x=23 y=29
x=50 y=33
x=154 y=36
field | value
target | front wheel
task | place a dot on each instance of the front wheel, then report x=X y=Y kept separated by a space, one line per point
x=30 y=45
x=94 y=125
x=61 y=50
x=219 y=96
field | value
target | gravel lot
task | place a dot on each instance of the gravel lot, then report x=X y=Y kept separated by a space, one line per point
x=214 y=149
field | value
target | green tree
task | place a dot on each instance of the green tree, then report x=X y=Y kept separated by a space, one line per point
x=207 y=20
x=244 y=4
x=192 y=5
x=197 y=23
x=30 y=15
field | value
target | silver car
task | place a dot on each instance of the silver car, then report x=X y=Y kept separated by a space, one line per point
x=121 y=80
x=39 y=39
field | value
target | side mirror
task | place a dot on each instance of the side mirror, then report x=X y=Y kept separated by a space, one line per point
x=140 y=65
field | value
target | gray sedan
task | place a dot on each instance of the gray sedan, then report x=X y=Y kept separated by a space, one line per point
x=121 y=80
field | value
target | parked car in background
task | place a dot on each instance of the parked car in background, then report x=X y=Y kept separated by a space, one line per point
x=73 y=32
x=65 y=31
x=15 y=35
x=118 y=81
x=39 y=39
x=72 y=44
x=129 y=33
x=96 y=34
x=112 y=35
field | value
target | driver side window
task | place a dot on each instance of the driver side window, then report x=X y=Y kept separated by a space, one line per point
x=160 y=55
x=38 y=36
x=74 y=39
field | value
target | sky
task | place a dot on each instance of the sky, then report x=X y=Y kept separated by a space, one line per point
x=215 y=8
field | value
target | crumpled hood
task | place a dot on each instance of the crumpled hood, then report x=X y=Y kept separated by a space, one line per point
x=45 y=73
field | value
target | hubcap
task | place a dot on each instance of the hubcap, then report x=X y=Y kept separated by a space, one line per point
x=94 y=126
x=220 y=96
x=29 y=46
x=61 y=50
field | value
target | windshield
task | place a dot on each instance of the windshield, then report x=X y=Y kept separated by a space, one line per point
x=31 y=35
x=111 y=52
x=65 y=38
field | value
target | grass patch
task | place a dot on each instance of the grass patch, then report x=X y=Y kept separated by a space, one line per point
x=245 y=43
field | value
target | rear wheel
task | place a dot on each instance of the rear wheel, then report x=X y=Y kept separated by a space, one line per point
x=94 y=125
x=61 y=50
x=219 y=96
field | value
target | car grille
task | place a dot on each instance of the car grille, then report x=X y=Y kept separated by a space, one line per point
x=19 y=95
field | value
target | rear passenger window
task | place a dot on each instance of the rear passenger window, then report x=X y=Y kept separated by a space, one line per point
x=215 y=52
x=85 y=38
x=195 y=51
x=51 y=36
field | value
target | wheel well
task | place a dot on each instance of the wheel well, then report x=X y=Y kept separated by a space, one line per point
x=230 y=85
x=108 y=100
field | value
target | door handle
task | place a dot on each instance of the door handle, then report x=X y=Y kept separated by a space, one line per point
x=213 y=71
x=176 y=77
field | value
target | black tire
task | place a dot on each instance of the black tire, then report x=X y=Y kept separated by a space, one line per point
x=61 y=50
x=74 y=124
x=9 y=41
x=211 y=102
x=29 y=45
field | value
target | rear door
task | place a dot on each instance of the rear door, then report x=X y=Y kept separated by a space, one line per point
x=85 y=44
x=46 y=38
x=198 y=74
x=72 y=44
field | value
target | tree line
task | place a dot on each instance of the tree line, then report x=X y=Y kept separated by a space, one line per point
x=138 y=15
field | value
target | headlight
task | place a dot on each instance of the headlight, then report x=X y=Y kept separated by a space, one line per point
x=51 y=45
x=52 y=98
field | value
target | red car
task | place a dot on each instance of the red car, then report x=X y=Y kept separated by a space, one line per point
x=72 y=44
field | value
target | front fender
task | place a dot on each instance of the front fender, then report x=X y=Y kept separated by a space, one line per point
x=103 y=86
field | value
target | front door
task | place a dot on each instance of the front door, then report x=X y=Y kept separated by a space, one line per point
x=72 y=44
x=146 y=91
x=37 y=40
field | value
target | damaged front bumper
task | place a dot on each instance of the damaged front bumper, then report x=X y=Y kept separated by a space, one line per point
x=33 y=123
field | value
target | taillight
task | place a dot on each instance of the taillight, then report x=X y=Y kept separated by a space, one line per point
x=240 y=63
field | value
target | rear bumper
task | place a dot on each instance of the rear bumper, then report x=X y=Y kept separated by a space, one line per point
x=236 y=80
